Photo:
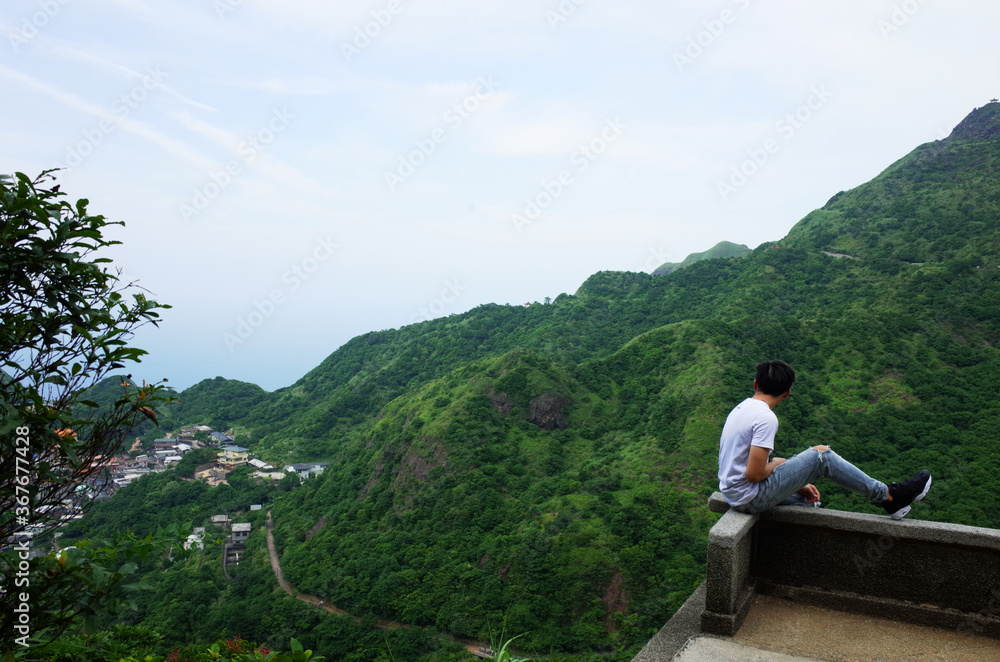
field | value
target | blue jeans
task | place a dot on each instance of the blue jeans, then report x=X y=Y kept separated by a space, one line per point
x=781 y=487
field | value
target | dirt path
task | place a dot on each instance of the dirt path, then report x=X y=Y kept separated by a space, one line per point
x=272 y=551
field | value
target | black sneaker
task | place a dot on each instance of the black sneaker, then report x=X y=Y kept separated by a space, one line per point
x=905 y=493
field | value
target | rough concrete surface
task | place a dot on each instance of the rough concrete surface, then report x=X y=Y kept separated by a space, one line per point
x=823 y=634
x=709 y=649
x=673 y=636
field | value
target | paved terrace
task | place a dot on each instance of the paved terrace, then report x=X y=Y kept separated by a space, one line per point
x=816 y=584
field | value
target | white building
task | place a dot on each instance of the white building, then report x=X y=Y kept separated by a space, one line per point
x=196 y=539
x=241 y=532
x=307 y=470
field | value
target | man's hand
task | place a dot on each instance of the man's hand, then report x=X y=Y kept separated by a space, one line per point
x=758 y=468
x=810 y=493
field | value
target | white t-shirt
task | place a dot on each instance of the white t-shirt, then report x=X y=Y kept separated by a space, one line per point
x=751 y=423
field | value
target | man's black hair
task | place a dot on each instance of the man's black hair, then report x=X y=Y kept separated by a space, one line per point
x=774 y=377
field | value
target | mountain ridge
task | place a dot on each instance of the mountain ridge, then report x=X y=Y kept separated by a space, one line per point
x=723 y=249
x=528 y=463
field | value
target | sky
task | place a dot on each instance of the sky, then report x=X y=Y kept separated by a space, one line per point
x=295 y=173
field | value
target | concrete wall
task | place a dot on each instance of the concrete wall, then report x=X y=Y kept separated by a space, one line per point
x=929 y=573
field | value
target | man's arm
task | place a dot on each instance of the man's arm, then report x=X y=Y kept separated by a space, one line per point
x=758 y=468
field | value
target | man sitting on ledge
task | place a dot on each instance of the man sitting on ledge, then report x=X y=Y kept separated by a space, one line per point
x=752 y=483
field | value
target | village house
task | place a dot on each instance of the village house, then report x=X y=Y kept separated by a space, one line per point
x=130 y=475
x=240 y=532
x=98 y=488
x=307 y=470
x=222 y=438
x=269 y=475
x=212 y=473
x=235 y=545
x=205 y=471
x=234 y=455
x=196 y=539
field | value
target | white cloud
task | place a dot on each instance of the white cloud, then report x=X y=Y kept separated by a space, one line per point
x=68 y=52
x=174 y=147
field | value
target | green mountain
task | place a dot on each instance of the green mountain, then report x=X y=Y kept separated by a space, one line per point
x=940 y=202
x=548 y=466
x=720 y=250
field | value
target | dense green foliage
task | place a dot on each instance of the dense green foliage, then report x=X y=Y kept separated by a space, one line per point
x=461 y=509
x=189 y=603
x=67 y=322
x=548 y=465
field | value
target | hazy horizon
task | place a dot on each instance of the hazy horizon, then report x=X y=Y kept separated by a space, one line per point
x=292 y=175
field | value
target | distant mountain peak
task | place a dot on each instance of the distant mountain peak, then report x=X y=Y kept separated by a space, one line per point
x=721 y=249
x=983 y=123
x=938 y=203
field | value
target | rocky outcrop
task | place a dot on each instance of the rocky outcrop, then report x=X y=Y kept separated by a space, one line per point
x=549 y=412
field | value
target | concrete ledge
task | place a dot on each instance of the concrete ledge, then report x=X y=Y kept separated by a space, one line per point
x=729 y=589
x=928 y=573
x=731 y=529
x=728 y=623
x=912 y=571
x=951 y=534
x=717 y=503
x=883 y=525
x=946 y=576
x=679 y=630
x=708 y=649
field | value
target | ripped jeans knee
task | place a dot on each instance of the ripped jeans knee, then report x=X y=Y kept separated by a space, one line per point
x=803 y=468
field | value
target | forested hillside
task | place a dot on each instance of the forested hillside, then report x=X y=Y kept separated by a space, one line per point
x=548 y=465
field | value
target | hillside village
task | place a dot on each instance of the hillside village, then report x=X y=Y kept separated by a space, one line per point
x=168 y=451
x=113 y=473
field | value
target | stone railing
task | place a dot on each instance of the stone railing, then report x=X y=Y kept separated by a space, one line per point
x=928 y=573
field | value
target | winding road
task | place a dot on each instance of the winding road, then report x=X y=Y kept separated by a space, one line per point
x=474 y=647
